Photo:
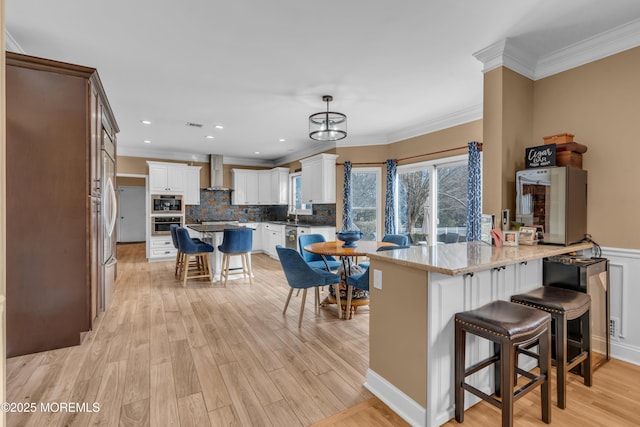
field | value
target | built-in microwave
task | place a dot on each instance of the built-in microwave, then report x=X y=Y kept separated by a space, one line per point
x=161 y=225
x=162 y=203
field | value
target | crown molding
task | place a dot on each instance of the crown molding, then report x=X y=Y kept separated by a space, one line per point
x=190 y=157
x=607 y=43
x=456 y=118
x=11 y=44
x=310 y=150
x=507 y=53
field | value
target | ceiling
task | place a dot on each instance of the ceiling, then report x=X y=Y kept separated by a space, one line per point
x=260 y=68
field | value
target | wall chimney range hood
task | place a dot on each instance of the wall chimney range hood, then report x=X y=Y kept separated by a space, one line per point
x=216 y=170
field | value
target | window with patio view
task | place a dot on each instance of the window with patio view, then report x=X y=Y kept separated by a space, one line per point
x=365 y=204
x=422 y=216
x=295 y=199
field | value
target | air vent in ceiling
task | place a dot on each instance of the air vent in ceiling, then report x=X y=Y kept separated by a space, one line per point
x=194 y=125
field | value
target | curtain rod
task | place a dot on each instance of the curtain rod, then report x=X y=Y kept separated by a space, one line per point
x=478 y=144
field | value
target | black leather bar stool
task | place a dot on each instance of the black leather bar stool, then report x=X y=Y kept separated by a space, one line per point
x=508 y=326
x=564 y=305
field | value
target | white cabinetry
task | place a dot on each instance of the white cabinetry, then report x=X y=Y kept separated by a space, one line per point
x=166 y=178
x=280 y=186
x=319 y=179
x=161 y=247
x=245 y=187
x=273 y=235
x=264 y=187
x=192 y=185
x=260 y=187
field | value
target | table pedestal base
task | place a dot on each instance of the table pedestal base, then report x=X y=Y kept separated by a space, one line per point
x=355 y=303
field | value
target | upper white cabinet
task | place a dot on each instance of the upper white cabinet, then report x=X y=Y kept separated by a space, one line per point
x=166 y=178
x=175 y=178
x=260 y=187
x=245 y=187
x=192 y=185
x=319 y=179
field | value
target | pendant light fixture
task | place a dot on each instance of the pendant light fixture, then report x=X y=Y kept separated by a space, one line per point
x=327 y=125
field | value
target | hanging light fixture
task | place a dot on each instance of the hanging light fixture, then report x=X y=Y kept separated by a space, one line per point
x=327 y=125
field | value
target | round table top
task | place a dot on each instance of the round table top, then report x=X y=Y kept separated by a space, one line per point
x=335 y=248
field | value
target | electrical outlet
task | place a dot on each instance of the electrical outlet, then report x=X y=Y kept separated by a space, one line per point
x=614 y=328
x=377 y=279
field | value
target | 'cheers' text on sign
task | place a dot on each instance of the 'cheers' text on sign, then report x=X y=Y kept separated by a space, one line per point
x=542 y=156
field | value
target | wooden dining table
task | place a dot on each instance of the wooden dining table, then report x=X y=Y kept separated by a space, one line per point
x=336 y=248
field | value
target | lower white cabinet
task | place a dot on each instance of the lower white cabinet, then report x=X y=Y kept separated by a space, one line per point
x=161 y=247
x=329 y=233
x=273 y=235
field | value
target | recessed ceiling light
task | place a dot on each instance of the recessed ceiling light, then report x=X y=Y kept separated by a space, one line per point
x=147 y=141
x=145 y=122
x=209 y=137
x=282 y=140
x=219 y=127
x=256 y=152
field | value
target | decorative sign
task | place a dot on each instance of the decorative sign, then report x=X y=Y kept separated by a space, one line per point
x=541 y=156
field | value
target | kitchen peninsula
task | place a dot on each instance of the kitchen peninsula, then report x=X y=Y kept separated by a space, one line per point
x=414 y=295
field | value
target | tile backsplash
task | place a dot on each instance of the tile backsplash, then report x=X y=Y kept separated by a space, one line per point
x=216 y=206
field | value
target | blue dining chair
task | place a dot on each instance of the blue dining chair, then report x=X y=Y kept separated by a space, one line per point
x=314 y=260
x=301 y=276
x=405 y=245
x=236 y=242
x=188 y=248
x=360 y=281
x=398 y=239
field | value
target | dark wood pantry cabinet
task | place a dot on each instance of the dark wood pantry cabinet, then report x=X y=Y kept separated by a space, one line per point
x=58 y=120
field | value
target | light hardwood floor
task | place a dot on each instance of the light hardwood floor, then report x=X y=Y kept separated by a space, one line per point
x=165 y=355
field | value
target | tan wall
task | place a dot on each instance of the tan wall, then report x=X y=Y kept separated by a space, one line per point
x=131 y=182
x=398 y=311
x=457 y=136
x=508 y=123
x=598 y=103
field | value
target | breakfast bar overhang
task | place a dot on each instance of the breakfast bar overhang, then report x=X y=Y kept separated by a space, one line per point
x=414 y=295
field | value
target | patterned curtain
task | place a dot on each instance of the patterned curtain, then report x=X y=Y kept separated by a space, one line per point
x=474 y=193
x=389 y=204
x=347 y=220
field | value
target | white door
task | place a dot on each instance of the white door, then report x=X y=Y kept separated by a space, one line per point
x=131 y=216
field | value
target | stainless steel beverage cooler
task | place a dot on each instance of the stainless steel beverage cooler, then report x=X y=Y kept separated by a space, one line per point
x=555 y=200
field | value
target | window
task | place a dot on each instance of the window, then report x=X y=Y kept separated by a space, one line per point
x=365 y=204
x=419 y=213
x=295 y=200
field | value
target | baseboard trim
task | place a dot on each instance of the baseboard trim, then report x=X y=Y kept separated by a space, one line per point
x=407 y=408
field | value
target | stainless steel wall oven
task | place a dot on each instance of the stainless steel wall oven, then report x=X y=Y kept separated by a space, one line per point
x=160 y=225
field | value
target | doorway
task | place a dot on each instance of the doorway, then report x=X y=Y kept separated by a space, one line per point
x=131 y=214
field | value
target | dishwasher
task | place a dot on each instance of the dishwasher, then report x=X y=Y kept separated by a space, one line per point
x=291 y=236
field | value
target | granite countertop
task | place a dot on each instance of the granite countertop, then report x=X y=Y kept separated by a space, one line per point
x=460 y=258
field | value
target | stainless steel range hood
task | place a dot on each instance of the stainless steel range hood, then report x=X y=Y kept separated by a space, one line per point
x=216 y=170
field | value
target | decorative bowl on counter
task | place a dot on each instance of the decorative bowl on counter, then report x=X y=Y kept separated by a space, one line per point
x=349 y=237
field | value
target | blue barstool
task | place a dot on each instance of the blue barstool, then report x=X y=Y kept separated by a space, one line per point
x=174 y=238
x=200 y=251
x=236 y=242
